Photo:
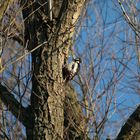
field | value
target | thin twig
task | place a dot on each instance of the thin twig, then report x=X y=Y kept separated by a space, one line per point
x=129 y=21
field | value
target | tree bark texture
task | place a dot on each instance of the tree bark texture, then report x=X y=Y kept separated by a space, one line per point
x=47 y=98
x=75 y=127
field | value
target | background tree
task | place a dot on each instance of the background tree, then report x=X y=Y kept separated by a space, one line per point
x=34 y=49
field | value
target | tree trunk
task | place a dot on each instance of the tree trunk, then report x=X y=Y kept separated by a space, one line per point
x=75 y=127
x=54 y=39
x=131 y=129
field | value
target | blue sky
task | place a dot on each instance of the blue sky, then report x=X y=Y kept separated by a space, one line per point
x=105 y=29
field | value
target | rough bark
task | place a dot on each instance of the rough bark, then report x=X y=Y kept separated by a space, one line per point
x=47 y=98
x=131 y=129
x=74 y=120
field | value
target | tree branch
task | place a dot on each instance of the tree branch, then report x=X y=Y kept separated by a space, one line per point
x=3 y=6
x=14 y=106
x=17 y=38
x=133 y=25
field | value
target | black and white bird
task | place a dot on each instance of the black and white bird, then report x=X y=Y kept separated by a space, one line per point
x=71 y=69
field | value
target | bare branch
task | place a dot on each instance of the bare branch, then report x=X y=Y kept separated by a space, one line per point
x=129 y=21
x=13 y=105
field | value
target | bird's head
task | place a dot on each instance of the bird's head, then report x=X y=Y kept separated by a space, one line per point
x=78 y=60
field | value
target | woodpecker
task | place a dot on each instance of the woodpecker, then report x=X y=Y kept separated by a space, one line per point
x=71 y=69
